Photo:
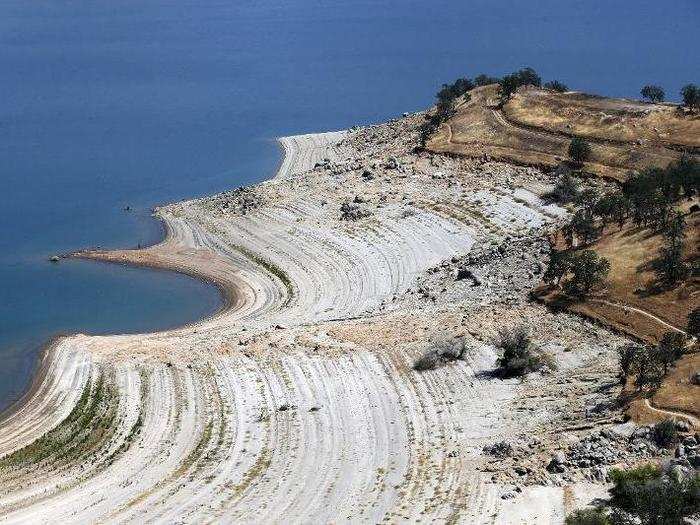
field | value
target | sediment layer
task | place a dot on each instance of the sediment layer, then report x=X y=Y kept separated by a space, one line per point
x=297 y=402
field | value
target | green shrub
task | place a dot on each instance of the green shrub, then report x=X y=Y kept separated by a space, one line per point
x=579 y=150
x=665 y=433
x=655 y=498
x=653 y=93
x=519 y=355
x=694 y=322
x=587 y=517
x=441 y=353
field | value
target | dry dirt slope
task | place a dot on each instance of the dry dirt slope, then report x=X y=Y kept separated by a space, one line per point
x=536 y=125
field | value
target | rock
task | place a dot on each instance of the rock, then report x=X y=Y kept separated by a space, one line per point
x=623 y=430
x=690 y=441
x=600 y=474
x=557 y=463
x=500 y=449
x=352 y=212
x=359 y=199
x=641 y=433
x=683 y=426
x=54 y=258
x=680 y=451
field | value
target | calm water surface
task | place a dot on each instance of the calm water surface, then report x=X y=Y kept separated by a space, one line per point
x=105 y=104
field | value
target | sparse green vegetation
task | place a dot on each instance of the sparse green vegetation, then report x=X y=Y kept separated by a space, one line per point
x=690 y=94
x=653 y=93
x=88 y=424
x=441 y=353
x=519 y=356
x=579 y=150
x=555 y=85
x=523 y=77
x=272 y=268
x=694 y=322
x=588 y=517
x=655 y=497
x=588 y=270
x=447 y=97
x=646 y=495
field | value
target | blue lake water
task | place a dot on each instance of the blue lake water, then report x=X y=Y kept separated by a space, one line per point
x=105 y=104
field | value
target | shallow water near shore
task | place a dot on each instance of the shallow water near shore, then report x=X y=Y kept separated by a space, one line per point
x=106 y=105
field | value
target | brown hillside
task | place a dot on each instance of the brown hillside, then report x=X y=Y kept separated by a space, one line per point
x=536 y=126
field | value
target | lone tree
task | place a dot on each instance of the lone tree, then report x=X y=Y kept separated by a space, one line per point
x=653 y=93
x=691 y=96
x=612 y=208
x=674 y=230
x=627 y=360
x=649 y=370
x=579 y=150
x=555 y=85
x=523 y=77
x=670 y=349
x=584 y=225
x=694 y=322
x=669 y=267
x=566 y=189
x=588 y=271
x=558 y=266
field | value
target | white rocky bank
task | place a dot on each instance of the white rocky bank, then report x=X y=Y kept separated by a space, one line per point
x=298 y=402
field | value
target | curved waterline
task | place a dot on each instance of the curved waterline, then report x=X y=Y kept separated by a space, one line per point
x=115 y=300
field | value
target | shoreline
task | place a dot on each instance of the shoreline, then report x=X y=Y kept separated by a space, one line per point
x=196 y=421
x=229 y=291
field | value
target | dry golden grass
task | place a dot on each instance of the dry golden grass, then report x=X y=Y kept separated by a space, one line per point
x=677 y=392
x=631 y=283
x=601 y=118
x=535 y=128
